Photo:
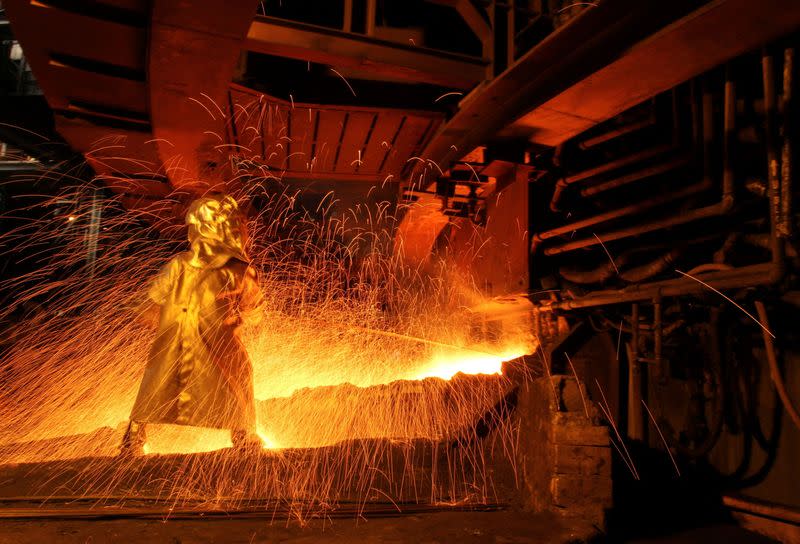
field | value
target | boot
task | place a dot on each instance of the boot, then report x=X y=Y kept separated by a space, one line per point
x=134 y=440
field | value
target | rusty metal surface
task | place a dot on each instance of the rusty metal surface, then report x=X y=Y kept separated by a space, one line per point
x=589 y=42
x=580 y=75
x=194 y=47
x=148 y=108
x=312 y=43
x=703 y=39
x=309 y=141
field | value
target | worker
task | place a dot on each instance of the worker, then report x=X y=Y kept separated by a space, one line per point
x=198 y=372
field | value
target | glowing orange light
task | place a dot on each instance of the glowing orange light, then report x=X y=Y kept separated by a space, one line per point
x=446 y=366
x=353 y=348
x=166 y=439
x=269 y=443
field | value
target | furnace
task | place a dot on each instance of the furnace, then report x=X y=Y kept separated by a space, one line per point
x=514 y=271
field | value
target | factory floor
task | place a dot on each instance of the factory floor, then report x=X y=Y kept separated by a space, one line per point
x=442 y=527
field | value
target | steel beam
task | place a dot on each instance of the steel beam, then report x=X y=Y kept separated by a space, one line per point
x=607 y=59
x=301 y=41
x=708 y=37
x=590 y=41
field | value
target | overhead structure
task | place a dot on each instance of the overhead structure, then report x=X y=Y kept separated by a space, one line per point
x=181 y=88
x=160 y=106
x=364 y=54
x=557 y=90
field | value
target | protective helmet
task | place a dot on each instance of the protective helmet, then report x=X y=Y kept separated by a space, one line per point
x=216 y=219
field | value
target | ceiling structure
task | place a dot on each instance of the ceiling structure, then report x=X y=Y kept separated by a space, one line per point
x=160 y=94
x=157 y=95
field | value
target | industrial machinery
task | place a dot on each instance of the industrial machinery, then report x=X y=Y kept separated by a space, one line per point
x=537 y=256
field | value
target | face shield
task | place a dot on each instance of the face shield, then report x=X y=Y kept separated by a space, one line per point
x=217 y=221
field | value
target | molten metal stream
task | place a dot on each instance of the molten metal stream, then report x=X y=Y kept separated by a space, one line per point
x=356 y=359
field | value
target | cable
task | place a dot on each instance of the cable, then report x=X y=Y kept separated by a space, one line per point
x=774 y=371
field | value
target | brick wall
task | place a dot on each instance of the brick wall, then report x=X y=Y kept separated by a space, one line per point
x=564 y=452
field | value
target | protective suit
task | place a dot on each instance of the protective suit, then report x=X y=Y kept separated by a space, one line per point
x=198 y=372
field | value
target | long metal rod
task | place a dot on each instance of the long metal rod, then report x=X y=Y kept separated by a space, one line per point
x=757 y=274
x=347 y=25
x=93 y=232
x=773 y=161
x=406 y=337
x=635 y=419
x=714 y=210
x=565 y=182
x=371 y=17
x=729 y=137
x=617 y=132
x=764 y=509
x=644 y=173
x=658 y=335
x=789 y=123
x=264 y=509
x=638 y=207
x=773 y=167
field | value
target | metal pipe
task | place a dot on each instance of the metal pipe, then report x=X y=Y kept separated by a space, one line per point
x=371 y=17
x=563 y=183
x=764 y=509
x=586 y=277
x=715 y=210
x=635 y=419
x=723 y=207
x=773 y=168
x=608 y=269
x=774 y=370
x=748 y=276
x=633 y=209
x=709 y=267
x=789 y=119
x=510 y=32
x=729 y=138
x=617 y=132
x=636 y=176
x=658 y=335
x=347 y=24
x=648 y=270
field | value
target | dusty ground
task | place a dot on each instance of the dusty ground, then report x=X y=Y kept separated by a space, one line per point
x=503 y=527
x=444 y=527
